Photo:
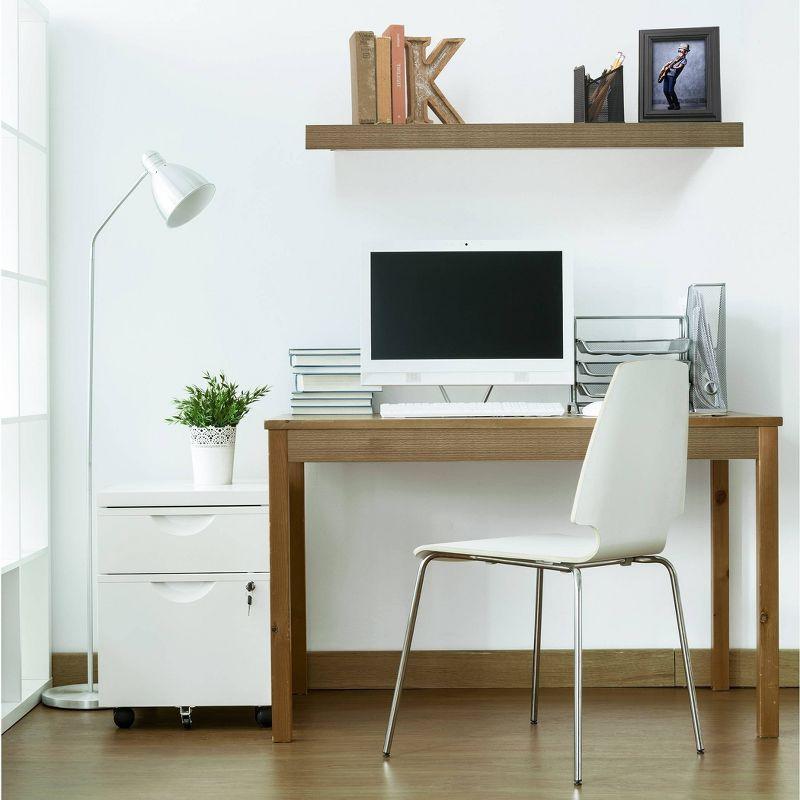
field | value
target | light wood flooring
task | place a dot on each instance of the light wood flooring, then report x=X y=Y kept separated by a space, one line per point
x=449 y=744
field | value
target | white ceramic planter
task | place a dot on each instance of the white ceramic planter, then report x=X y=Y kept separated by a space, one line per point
x=212 y=455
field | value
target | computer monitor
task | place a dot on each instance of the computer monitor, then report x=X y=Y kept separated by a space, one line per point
x=467 y=312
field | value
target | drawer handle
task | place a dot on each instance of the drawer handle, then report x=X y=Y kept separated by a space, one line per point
x=183 y=591
x=183 y=524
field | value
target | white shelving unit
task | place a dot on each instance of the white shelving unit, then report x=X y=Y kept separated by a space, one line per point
x=24 y=394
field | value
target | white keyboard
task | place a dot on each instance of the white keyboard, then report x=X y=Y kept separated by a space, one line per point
x=471 y=410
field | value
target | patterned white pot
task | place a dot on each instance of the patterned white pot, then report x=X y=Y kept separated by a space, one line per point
x=212 y=455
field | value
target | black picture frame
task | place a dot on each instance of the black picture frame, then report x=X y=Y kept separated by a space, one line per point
x=713 y=110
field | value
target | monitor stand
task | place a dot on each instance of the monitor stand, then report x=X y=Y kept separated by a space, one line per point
x=448 y=400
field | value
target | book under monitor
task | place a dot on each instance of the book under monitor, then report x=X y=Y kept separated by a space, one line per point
x=331 y=383
x=344 y=360
x=333 y=410
x=310 y=402
x=365 y=395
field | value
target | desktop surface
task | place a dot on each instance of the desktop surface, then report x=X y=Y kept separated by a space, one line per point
x=732 y=419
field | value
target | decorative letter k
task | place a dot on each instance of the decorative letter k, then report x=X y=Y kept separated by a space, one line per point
x=422 y=91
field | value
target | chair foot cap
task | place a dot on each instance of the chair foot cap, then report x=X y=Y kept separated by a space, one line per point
x=578 y=783
x=701 y=751
x=534 y=722
x=386 y=755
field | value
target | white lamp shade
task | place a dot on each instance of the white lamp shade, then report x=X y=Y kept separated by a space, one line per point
x=180 y=193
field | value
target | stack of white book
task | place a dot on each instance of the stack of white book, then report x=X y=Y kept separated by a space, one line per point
x=327 y=380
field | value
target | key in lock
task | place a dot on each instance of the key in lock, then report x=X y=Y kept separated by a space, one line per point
x=250 y=587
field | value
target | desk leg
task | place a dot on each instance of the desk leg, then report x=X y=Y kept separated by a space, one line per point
x=280 y=586
x=297 y=524
x=720 y=590
x=767 y=581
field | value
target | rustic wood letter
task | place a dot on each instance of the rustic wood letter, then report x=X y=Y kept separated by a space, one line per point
x=422 y=91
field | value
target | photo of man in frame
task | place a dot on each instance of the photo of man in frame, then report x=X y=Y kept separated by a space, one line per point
x=687 y=61
x=679 y=75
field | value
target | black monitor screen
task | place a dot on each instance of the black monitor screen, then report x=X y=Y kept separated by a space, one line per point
x=472 y=304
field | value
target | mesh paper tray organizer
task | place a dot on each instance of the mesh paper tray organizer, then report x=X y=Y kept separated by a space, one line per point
x=598 y=369
x=593 y=365
x=592 y=377
x=633 y=347
x=594 y=391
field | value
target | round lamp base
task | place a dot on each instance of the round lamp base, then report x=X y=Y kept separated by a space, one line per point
x=77 y=696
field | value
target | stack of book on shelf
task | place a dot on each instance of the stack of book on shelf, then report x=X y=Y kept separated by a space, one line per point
x=327 y=380
x=378 y=76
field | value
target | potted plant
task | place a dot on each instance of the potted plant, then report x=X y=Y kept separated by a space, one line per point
x=212 y=413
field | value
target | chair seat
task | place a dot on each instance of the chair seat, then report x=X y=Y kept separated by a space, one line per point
x=550 y=547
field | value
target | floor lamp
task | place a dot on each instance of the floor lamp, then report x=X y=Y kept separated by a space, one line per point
x=180 y=194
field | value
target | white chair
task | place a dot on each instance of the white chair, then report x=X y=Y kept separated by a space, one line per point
x=631 y=487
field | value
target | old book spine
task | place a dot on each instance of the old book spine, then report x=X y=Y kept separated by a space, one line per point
x=362 y=77
x=383 y=78
x=397 y=34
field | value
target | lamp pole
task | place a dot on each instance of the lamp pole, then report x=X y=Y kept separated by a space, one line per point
x=89 y=472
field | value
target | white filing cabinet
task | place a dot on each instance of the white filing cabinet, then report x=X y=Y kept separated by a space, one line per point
x=183 y=598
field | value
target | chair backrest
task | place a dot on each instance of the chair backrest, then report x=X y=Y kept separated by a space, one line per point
x=633 y=480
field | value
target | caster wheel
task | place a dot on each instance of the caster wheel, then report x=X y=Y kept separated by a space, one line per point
x=264 y=716
x=124 y=717
x=185 y=713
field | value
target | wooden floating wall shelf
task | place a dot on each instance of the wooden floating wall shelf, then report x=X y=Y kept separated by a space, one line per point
x=525 y=135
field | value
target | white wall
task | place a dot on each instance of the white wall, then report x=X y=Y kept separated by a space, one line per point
x=226 y=88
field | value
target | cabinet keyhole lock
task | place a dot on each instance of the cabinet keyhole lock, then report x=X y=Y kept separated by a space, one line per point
x=250 y=587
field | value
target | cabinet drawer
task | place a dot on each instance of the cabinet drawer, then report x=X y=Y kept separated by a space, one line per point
x=182 y=540
x=169 y=640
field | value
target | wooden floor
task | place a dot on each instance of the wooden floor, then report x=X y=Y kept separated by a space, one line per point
x=449 y=744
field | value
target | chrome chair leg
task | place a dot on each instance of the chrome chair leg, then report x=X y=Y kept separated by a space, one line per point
x=401 y=672
x=687 y=662
x=578 y=664
x=537 y=647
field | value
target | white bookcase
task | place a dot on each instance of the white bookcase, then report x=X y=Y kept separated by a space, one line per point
x=24 y=401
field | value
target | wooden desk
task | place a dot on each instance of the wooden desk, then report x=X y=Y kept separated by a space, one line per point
x=294 y=441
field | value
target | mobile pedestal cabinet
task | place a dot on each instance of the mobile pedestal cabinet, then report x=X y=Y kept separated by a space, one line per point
x=183 y=599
